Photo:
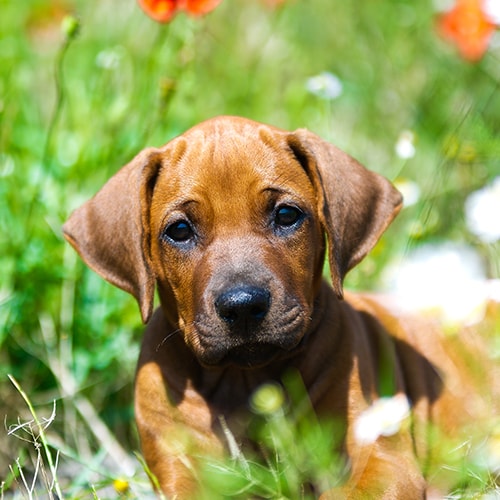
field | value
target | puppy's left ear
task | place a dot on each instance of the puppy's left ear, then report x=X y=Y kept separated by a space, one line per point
x=355 y=205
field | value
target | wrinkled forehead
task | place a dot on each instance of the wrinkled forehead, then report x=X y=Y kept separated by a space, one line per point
x=232 y=166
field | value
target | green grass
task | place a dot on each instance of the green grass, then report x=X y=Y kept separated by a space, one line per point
x=73 y=110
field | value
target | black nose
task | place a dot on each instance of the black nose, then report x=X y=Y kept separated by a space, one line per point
x=243 y=306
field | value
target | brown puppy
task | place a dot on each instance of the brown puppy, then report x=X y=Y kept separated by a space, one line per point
x=229 y=221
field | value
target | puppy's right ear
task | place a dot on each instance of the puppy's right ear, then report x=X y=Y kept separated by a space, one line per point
x=111 y=231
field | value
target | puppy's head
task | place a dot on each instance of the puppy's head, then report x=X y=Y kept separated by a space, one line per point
x=229 y=221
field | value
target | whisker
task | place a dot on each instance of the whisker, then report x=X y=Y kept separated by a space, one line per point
x=170 y=335
x=167 y=338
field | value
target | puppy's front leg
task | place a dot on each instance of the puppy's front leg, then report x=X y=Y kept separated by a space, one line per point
x=172 y=435
x=173 y=419
x=386 y=470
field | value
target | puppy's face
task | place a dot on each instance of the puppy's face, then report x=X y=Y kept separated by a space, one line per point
x=236 y=247
x=229 y=221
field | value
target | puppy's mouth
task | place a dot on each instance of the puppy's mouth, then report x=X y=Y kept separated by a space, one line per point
x=248 y=354
x=252 y=355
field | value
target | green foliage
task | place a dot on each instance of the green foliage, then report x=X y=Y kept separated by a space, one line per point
x=81 y=95
x=300 y=460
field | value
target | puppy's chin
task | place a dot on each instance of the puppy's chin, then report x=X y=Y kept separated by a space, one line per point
x=253 y=355
x=247 y=355
x=243 y=356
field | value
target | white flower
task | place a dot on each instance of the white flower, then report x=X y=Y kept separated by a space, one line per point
x=488 y=452
x=110 y=58
x=325 y=85
x=405 y=145
x=482 y=212
x=383 y=418
x=410 y=191
x=446 y=279
x=493 y=453
x=492 y=10
x=443 y=5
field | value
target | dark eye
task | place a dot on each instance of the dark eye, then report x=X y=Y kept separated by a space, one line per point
x=179 y=231
x=286 y=216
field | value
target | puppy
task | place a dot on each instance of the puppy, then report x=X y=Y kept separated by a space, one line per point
x=231 y=223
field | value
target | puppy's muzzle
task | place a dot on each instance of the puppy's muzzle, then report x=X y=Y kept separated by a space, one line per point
x=243 y=308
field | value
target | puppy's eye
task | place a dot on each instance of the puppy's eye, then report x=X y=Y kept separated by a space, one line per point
x=286 y=216
x=179 y=232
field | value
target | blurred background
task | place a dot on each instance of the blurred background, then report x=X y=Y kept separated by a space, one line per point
x=391 y=82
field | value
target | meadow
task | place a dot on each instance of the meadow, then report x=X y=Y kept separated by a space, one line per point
x=86 y=84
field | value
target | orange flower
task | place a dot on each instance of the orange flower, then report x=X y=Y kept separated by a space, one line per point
x=164 y=10
x=468 y=26
x=274 y=3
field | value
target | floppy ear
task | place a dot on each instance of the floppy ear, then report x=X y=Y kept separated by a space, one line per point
x=355 y=205
x=111 y=230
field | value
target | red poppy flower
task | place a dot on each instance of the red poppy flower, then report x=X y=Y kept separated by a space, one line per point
x=468 y=26
x=164 y=10
x=274 y=3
